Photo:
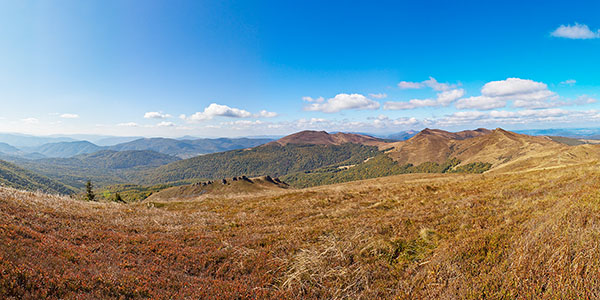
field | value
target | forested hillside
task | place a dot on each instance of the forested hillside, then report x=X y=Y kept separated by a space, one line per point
x=13 y=176
x=104 y=167
x=379 y=166
x=189 y=148
x=271 y=160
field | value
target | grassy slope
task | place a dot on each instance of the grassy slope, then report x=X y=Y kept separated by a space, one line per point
x=13 y=176
x=231 y=187
x=521 y=235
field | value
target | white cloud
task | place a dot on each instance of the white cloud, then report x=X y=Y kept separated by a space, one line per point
x=344 y=102
x=156 y=115
x=30 y=120
x=514 y=117
x=128 y=124
x=517 y=88
x=577 y=31
x=431 y=83
x=570 y=82
x=378 y=96
x=524 y=93
x=310 y=99
x=69 y=116
x=443 y=99
x=266 y=114
x=217 y=110
x=165 y=124
x=447 y=97
x=407 y=85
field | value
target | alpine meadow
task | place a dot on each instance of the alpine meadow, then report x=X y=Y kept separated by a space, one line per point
x=299 y=150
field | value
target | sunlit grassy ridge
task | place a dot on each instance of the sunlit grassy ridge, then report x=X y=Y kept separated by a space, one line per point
x=521 y=235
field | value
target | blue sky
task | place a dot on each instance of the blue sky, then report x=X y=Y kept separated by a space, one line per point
x=225 y=68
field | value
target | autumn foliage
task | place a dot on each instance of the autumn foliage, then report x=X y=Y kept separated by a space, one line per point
x=526 y=235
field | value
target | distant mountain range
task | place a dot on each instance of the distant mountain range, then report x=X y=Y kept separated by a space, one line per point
x=103 y=167
x=174 y=147
x=64 y=149
x=302 y=159
x=189 y=148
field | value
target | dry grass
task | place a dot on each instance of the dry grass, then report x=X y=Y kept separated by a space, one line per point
x=501 y=236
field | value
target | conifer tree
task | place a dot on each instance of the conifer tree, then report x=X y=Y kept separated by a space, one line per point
x=89 y=192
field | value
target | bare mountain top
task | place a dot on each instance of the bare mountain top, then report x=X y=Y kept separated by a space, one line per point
x=431 y=145
x=324 y=138
x=461 y=135
x=505 y=150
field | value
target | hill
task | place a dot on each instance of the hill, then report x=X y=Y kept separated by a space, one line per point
x=66 y=149
x=506 y=151
x=104 y=167
x=189 y=148
x=271 y=159
x=239 y=186
x=530 y=235
x=13 y=176
x=309 y=137
x=24 y=140
x=430 y=145
x=9 y=150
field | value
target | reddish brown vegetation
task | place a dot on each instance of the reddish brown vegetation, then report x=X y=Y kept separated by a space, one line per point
x=531 y=235
x=59 y=248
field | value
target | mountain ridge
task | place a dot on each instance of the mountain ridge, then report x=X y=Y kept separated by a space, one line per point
x=312 y=137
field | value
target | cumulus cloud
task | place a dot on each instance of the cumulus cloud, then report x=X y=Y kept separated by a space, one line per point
x=516 y=87
x=577 y=31
x=378 y=96
x=524 y=93
x=69 y=116
x=266 y=114
x=407 y=85
x=569 y=82
x=443 y=99
x=156 y=115
x=343 y=102
x=431 y=83
x=217 y=110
